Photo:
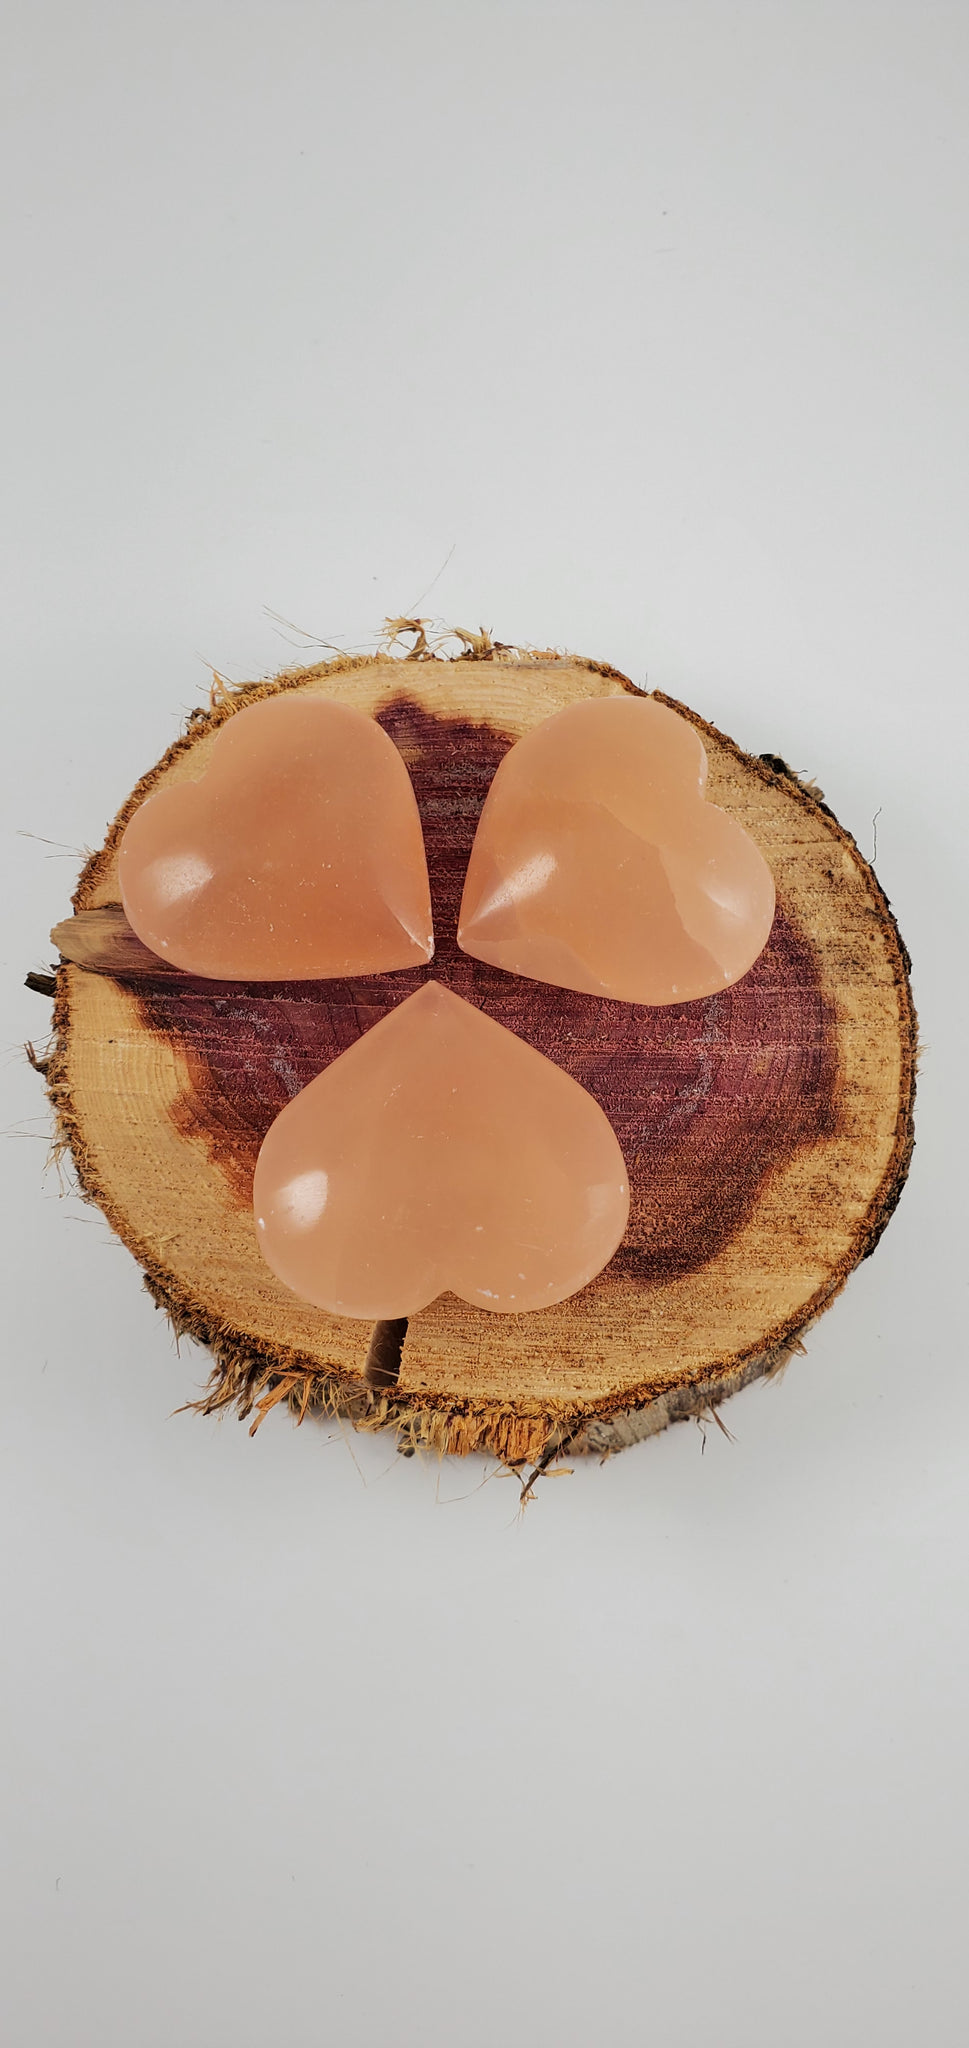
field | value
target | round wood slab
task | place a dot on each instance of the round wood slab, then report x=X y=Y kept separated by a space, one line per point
x=767 y=1129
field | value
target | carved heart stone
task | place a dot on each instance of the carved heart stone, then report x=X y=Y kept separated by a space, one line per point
x=297 y=855
x=599 y=866
x=439 y=1153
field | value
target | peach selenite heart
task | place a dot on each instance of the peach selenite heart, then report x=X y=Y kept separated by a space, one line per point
x=599 y=866
x=298 y=854
x=440 y=1152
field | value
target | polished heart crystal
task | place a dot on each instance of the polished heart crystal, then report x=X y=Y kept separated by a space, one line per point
x=297 y=854
x=599 y=866
x=439 y=1153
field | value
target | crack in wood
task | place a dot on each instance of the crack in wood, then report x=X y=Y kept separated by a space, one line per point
x=382 y=1368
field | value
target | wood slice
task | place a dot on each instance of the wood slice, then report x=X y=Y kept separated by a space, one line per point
x=767 y=1129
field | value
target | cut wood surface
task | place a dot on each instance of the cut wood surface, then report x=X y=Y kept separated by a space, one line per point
x=767 y=1129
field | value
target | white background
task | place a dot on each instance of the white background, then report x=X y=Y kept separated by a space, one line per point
x=655 y=315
